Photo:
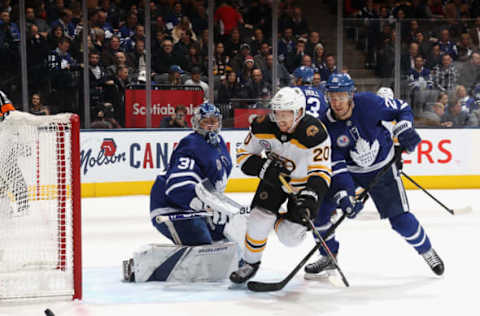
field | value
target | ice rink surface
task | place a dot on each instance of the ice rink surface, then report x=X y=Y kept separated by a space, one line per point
x=387 y=277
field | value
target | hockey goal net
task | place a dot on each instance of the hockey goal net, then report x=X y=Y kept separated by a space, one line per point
x=40 y=221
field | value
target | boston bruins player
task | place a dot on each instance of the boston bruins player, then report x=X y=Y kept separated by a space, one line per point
x=294 y=144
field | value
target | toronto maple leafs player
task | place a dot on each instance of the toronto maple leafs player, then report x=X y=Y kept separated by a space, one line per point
x=200 y=155
x=316 y=103
x=361 y=146
x=292 y=143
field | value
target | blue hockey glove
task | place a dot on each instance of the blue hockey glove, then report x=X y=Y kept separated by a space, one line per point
x=407 y=136
x=348 y=204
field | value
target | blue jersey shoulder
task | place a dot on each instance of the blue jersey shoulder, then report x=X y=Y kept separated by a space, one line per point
x=316 y=103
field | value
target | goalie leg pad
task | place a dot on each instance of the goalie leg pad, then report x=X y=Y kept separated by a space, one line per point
x=289 y=233
x=208 y=263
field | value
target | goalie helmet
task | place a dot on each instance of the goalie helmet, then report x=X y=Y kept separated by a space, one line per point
x=385 y=92
x=289 y=99
x=205 y=111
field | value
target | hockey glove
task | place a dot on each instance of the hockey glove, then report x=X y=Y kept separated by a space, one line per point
x=407 y=136
x=348 y=204
x=304 y=207
x=270 y=171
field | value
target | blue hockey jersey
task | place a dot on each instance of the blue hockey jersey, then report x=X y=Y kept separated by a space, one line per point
x=361 y=145
x=192 y=161
x=316 y=102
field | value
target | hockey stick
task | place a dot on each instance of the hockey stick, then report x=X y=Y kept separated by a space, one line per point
x=182 y=216
x=451 y=211
x=317 y=234
x=258 y=286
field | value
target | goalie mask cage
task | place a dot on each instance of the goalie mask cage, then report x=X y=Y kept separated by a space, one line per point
x=40 y=219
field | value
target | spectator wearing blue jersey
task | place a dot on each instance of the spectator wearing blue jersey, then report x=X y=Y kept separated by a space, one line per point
x=361 y=147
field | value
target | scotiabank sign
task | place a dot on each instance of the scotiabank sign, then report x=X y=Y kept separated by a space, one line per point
x=164 y=103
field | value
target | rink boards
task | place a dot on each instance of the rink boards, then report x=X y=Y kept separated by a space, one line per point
x=126 y=162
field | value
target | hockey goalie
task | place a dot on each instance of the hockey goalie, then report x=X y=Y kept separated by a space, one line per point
x=188 y=207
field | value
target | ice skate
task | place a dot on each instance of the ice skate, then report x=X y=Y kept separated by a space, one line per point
x=245 y=272
x=128 y=274
x=320 y=269
x=434 y=261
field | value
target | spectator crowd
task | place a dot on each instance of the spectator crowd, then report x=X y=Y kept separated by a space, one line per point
x=440 y=52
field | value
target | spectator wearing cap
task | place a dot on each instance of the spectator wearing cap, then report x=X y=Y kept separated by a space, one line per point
x=246 y=72
x=239 y=59
x=166 y=57
x=175 y=75
x=195 y=80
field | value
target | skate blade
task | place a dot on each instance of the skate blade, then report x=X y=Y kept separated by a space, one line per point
x=331 y=276
x=238 y=286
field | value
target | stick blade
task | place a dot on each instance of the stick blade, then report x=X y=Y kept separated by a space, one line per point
x=460 y=211
x=256 y=286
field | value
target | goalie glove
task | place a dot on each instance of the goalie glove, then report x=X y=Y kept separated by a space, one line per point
x=407 y=136
x=270 y=171
x=304 y=207
x=348 y=204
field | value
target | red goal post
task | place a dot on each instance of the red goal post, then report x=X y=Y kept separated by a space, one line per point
x=40 y=215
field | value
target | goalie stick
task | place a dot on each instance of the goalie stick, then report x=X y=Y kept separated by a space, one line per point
x=258 y=286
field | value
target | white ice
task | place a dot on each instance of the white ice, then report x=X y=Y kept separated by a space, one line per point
x=387 y=277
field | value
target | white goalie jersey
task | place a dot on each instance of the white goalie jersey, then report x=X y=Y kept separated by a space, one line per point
x=306 y=152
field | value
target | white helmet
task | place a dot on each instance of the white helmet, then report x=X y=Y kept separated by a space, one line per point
x=289 y=99
x=385 y=92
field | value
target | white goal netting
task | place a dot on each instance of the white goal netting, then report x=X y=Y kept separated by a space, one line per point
x=36 y=206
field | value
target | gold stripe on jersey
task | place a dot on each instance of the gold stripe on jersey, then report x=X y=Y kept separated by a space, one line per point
x=242 y=154
x=295 y=142
x=319 y=167
x=242 y=157
x=265 y=136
